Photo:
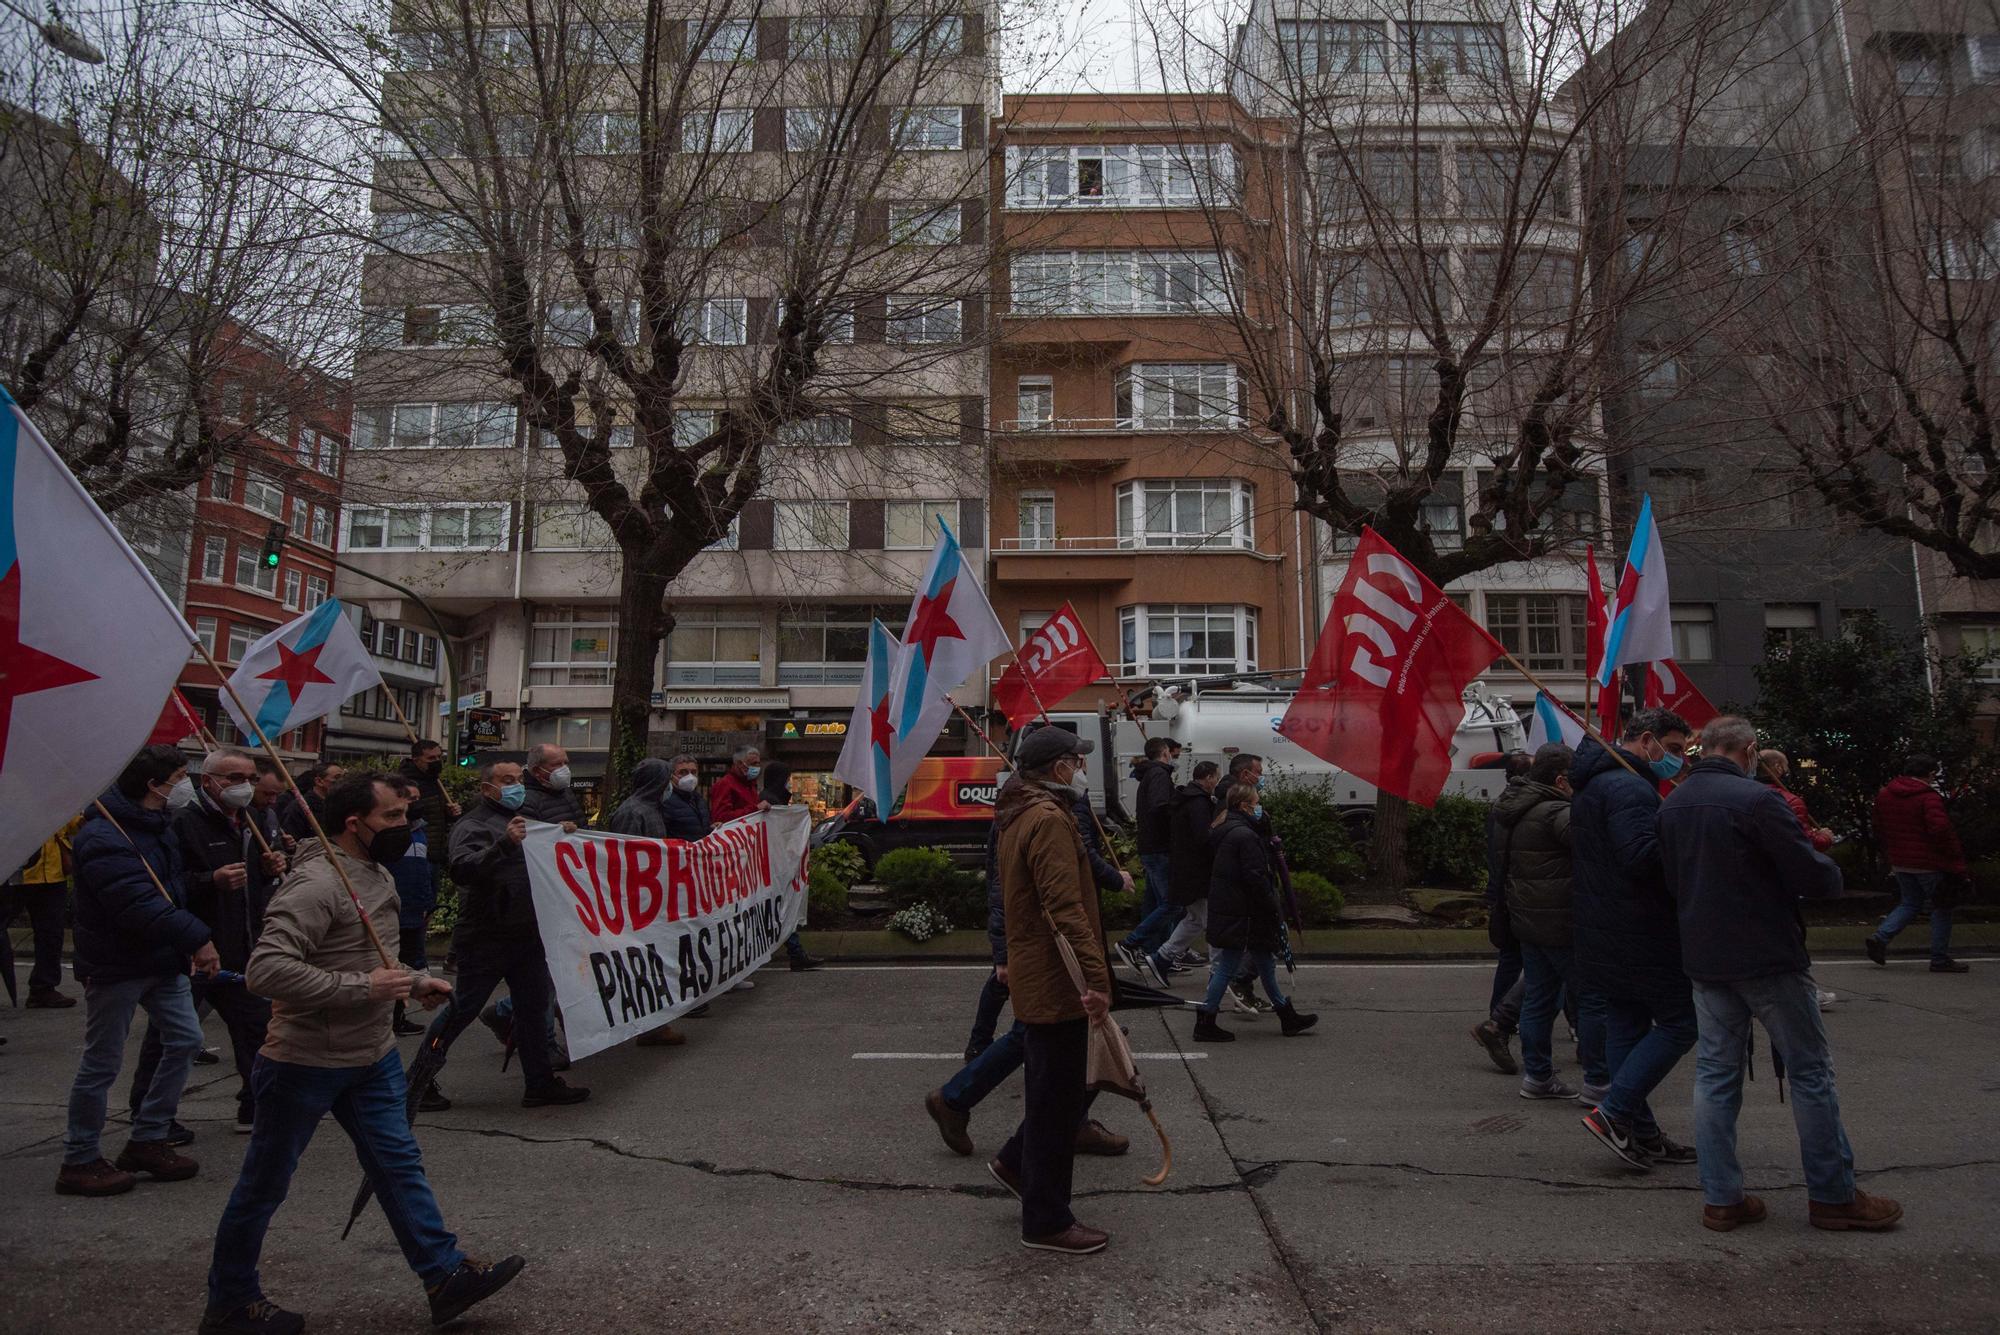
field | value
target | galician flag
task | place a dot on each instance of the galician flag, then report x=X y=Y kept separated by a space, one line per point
x=1553 y=723
x=951 y=634
x=1641 y=626
x=89 y=644
x=874 y=757
x=303 y=670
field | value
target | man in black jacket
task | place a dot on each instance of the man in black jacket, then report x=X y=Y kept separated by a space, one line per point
x=682 y=807
x=497 y=937
x=1190 y=858
x=315 y=783
x=1157 y=911
x=1737 y=863
x=1503 y=1005
x=433 y=804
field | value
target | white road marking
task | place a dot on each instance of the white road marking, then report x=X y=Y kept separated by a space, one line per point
x=1917 y=963
x=960 y=1056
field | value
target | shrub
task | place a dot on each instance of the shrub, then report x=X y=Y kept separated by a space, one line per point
x=1119 y=908
x=914 y=875
x=963 y=899
x=1319 y=899
x=445 y=916
x=825 y=893
x=1447 y=843
x=841 y=861
x=919 y=922
x=1316 y=840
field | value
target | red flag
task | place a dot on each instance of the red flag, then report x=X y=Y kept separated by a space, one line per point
x=1382 y=695
x=177 y=721
x=1597 y=620
x=1057 y=659
x=1668 y=687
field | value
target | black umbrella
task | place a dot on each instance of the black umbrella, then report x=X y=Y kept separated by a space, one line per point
x=7 y=967
x=1136 y=996
x=422 y=1070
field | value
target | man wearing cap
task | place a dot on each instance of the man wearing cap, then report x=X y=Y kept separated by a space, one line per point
x=1045 y=878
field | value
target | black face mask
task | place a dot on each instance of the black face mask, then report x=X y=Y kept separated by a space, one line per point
x=389 y=844
x=432 y=767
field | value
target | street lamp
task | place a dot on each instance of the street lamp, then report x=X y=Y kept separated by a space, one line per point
x=61 y=36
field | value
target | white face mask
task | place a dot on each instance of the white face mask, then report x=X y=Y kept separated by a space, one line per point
x=237 y=795
x=180 y=794
x=559 y=778
x=686 y=783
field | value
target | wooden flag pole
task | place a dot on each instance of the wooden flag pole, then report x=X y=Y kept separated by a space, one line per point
x=105 y=812
x=1588 y=731
x=210 y=746
x=332 y=853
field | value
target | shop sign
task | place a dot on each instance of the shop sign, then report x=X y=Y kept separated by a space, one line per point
x=792 y=730
x=477 y=700
x=485 y=729
x=722 y=698
x=589 y=644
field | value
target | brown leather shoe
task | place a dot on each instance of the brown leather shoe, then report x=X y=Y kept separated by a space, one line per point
x=48 y=999
x=97 y=1178
x=951 y=1123
x=1093 y=1138
x=1869 y=1214
x=1722 y=1218
x=666 y=1036
x=1076 y=1240
x=157 y=1160
x=1004 y=1176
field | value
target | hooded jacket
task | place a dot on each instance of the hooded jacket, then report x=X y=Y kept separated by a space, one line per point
x=433 y=804
x=1914 y=829
x=640 y=813
x=1242 y=888
x=1045 y=876
x=1155 y=803
x=1533 y=821
x=1191 y=857
x=210 y=840
x=495 y=902
x=1737 y=864
x=1626 y=931
x=125 y=928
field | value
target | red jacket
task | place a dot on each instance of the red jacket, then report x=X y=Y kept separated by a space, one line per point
x=1913 y=829
x=1820 y=842
x=731 y=796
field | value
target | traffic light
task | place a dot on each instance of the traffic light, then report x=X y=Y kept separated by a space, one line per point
x=274 y=543
x=466 y=762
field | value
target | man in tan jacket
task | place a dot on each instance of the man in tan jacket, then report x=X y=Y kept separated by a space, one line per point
x=1046 y=883
x=328 y=1048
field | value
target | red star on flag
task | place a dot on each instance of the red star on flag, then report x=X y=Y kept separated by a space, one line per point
x=297 y=670
x=24 y=669
x=933 y=622
x=881 y=732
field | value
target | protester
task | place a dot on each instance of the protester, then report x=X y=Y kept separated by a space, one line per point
x=683 y=807
x=1245 y=924
x=776 y=791
x=1627 y=936
x=329 y=1049
x=135 y=941
x=1737 y=864
x=734 y=794
x=640 y=814
x=316 y=783
x=1190 y=859
x=1503 y=1007
x=1917 y=837
x=1772 y=767
x=434 y=805
x=992 y=993
x=497 y=937
x=1534 y=819
x=271 y=787
x=41 y=895
x=416 y=899
x=1246 y=767
x=1045 y=877
x=1158 y=913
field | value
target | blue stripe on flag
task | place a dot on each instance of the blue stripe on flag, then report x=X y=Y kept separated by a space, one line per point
x=10 y=444
x=1643 y=537
x=320 y=625
x=276 y=711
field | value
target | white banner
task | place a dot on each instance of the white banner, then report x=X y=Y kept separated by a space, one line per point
x=640 y=931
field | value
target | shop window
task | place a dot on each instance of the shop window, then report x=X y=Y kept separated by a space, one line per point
x=572 y=645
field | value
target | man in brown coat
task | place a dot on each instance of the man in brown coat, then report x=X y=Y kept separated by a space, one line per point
x=1046 y=882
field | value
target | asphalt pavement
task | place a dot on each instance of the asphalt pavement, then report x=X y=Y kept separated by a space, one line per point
x=778 y=1174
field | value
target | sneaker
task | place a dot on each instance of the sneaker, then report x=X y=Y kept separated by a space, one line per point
x=503 y=1029
x=1616 y=1136
x=473 y=1282
x=1661 y=1150
x=96 y=1178
x=1722 y=1218
x=1157 y=968
x=555 y=1094
x=177 y=1135
x=433 y=1100
x=157 y=1160
x=1493 y=1038
x=1877 y=948
x=262 y=1317
x=1194 y=959
x=951 y=1123
x=207 y=1057
x=804 y=963
x=745 y=986
x=1826 y=998
x=1593 y=1094
x=699 y=1012
x=1869 y=1214
x=1004 y=1176
x=1133 y=959
x=48 y=998
x=1946 y=964
x=1076 y=1240
x=404 y=1027
x=1551 y=1088
x=246 y=1121
x=1176 y=964
x=1243 y=996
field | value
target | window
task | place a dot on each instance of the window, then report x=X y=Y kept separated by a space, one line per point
x=827 y=646
x=1119 y=175
x=294 y=583
x=930 y=425
x=1960 y=254
x=214 y=551
x=1405 y=181
x=1921 y=63
x=1694 y=632
x=1187 y=639
x=715 y=646
x=923 y=318
x=204 y=633
x=264 y=496
x=1184 y=512
x=316 y=591
x=572 y=645
x=824 y=431
x=693 y=424
x=731 y=42
x=602 y=133
x=417 y=426
x=422 y=233
x=1786 y=624
x=1318 y=47
x=827 y=38
x=1037 y=527
x=1177 y=396
x=242 y=635
x=805 y=127
x=1442 y=515
x=925 y=224
x=222 y=481
x=913 y=525
x=932 y=36
x=1092 y=282
x=1679 y=493
x=1983 y=52
x=467 y=527
x=722 y=322
x=1544 y=630
x=230 y=401
x=300 y=515
x=724 y=131
x=1034 y=402
x=810 y=526
x=1743 y=249
x=1982 y=644
x=606 y=43
x=1444 y=49
x=570 y=527
x=930 y=128
x=322 y=526
x=1659 y=373
x=251 y=572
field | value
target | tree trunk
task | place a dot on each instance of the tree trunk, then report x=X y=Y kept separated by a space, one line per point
x=1388 y=862
x=642 y=623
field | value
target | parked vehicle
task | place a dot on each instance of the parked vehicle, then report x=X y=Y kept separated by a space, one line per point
x=948 y=805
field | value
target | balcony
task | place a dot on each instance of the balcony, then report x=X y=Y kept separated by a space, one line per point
x=1108 y=559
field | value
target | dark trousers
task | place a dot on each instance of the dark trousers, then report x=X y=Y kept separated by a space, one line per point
x=244 y=1013
x=44 y=906
x=986 y=1019
x=1042 y=1153
x=483 y=966
x=412 y=943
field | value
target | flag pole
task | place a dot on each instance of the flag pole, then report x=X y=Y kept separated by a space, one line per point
x=1588 y=731
x=105 y=812
x=1028 y=680
x=332 y=854
x=209 y=747
x=978 y=731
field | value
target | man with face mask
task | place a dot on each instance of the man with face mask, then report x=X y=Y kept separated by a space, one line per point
x=682 y=807
x=434 y=806
x=329 y=1049
x=497 y=938
x=665 y=804
x=547 y=779
x=1625 y=934
x=735 y=793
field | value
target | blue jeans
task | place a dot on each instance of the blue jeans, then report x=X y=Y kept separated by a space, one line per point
x=1223 y=966
x=1788 y=1006
x=369 y=1104
x=1644 y=1036
x=1160 y=921
x=107 y=1021
x=1506 y=972
x=1919 y=891
x=1549 y=971
x=985 y=1073
x=1154 y=893
x=986 y=1019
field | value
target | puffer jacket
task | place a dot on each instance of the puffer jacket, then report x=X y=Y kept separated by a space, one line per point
x=1045 y=876
x=1913 y=828
x=433 y=805
x=125 y=928
x=685 y=815
x=494 y=901
x=554 y=805
x=1535 y=842
x=1626 y=931
x=640 y=813
x=1191 y=857
x=1820 y=842
x=210 y=840
x=1155 y=801
x=1242 y=889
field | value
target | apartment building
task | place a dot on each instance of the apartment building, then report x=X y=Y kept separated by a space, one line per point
x=1128 y=478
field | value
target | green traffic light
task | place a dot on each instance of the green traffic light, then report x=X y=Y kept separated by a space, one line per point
x=271 y=560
